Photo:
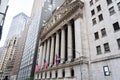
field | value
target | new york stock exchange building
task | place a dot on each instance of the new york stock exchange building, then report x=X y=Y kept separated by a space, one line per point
x=62 y=38
x=80 y=42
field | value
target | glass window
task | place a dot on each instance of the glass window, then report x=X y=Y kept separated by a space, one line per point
x=98 y=8
x=118 y=41
x=118 y=4
x=106 y=47
x=100 y=17
x=103 y=32
x=116 y=26
x=94 y=21
x=109 y=2
x=96 y=35
x=93 y=12
x=98 y=48
x=111 y=10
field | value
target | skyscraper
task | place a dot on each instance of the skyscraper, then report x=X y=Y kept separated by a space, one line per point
x=7 y=61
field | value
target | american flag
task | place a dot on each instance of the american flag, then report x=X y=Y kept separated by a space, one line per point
x=45 y=64
x=37 y=67
x=57 y=59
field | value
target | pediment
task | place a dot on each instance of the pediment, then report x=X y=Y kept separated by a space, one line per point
x=61 y=13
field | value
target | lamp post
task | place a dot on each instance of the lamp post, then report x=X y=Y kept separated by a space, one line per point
x=80 y=60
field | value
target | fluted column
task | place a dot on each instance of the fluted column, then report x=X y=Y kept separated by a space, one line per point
x=43 y=53
x=62 y=58
x=78 y=41
x=48 y=49
x=40 y=55
x=69 y=46
x=56 y=46
x=52 y=51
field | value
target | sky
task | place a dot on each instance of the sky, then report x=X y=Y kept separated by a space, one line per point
x=15 y=7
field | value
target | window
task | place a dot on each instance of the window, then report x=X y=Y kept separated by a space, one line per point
x=98 y=48
x=98 y=8
x=96 y=35
x=106 y=70
x=91 y=2
x=109 y=2
x=94 y=21
x=103 y=32
x=116 y=26
x=118 y=4
x=106 y=47
x=100 y=17
x=111 y=10
x=118 y=41
x=93 y=12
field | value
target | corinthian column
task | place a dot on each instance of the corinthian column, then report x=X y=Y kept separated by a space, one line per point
x=48 y=49
x=62 y=58
x=69 y=46
x=52 y=51
x=57 y=45
x=43 y=57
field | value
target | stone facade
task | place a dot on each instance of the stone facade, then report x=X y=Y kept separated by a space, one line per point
x=71 y=34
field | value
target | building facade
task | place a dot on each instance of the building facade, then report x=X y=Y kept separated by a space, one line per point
x=85 y=36
x=3 y=11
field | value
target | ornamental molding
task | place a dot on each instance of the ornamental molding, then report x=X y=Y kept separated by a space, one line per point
x=62 y=13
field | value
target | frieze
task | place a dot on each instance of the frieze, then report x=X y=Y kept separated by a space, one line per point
x=60 y=14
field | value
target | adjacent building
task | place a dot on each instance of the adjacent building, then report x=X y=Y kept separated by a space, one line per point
x=3 y=11
x=81 y=41
x=8 y=58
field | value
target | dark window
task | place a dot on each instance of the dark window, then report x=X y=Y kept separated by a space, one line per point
x=103 y=32
x=116 y=26
x=98 y=8
x=72 y=73
x=118 y=41
x=91 y=2
x=56 y=74
x=98 y=48
x=63 y=73
x=94 y=21
x=96 y=35
x=109 y=2
x=93 y=12
x=100 y=17
x=106 y=47
x=118 y=4
x=111 y=10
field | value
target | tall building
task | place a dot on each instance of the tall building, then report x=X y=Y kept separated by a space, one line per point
x=7 y=61
x=3 y=11
x=17 y=25
x=81 y=41
x=29 y=54
x=19 y=51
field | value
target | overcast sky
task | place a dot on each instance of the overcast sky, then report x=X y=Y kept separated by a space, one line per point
x=15 y=7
